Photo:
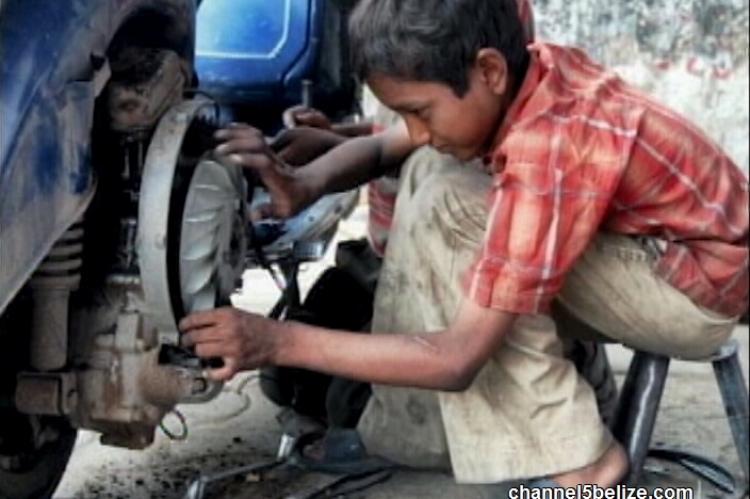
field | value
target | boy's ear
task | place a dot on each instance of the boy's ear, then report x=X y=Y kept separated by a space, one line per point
x=493 y=70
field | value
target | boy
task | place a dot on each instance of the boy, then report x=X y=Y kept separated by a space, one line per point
x=303 y=142
x=593 y=206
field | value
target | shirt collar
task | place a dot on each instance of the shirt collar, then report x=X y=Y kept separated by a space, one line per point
x=528 y=90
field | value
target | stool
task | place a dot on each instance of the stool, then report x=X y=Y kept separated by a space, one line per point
x=641 y=394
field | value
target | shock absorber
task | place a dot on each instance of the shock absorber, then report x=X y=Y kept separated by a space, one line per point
x=51 y=285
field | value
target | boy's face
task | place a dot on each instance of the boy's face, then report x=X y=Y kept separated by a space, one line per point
x=463 y=127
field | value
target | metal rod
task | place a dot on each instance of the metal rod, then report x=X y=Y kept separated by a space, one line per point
x=638 y=407
x=734 y=394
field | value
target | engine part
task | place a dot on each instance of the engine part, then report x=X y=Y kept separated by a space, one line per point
x=51 y=285
x=305 y=237
x=127 y=390
x=212 y=243
x=190 y=243
x=49 y=394
x=145 y=83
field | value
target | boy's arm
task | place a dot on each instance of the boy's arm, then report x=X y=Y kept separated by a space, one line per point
x=357 y=161
x=448 y=360
x=358 y=129
x=345 y=167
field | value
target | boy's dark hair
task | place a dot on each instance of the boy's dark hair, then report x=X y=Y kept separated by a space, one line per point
x=435 y=40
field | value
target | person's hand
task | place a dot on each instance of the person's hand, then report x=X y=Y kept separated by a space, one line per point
x=299 y=146
x=244 y=341
x=305 y=116
x=246 y=147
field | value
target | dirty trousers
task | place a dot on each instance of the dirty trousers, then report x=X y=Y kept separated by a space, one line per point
x=528 y=413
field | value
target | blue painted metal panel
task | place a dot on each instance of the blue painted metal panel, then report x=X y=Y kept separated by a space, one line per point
x=254 y=50
x=46 y=112
x=28 y=59
x=45 y=178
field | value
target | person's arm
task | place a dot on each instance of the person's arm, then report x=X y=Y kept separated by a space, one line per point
x=300 y=115
x=358 y=129
x=358 y=160
x=345 y=167
x=301 y=145
x=448 y=360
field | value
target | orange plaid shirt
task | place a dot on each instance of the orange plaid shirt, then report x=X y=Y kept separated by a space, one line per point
x=580 y=152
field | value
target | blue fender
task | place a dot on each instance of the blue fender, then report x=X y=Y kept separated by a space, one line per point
x=46 y=112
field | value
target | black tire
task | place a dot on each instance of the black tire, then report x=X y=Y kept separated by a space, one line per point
x=36 y=472
x=336 y=301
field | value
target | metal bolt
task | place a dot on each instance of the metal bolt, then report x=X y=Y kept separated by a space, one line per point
x=199 y=386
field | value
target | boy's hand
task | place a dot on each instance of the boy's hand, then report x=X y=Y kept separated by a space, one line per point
x=299 y=146
x=242 y=340
x=304 y=116
x=246 y=147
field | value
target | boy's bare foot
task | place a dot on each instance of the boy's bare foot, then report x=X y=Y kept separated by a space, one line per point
x=608 y=471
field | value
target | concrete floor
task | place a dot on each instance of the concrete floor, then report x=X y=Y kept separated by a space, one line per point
x=239 y=428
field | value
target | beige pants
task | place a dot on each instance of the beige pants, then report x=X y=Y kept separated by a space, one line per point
x=528 y=413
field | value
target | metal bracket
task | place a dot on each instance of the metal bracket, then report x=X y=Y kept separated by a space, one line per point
x=46 y=394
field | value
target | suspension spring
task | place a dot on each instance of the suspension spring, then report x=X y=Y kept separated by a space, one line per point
x=57 y=276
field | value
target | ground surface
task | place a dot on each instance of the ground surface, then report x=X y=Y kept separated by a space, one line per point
x=240 y=428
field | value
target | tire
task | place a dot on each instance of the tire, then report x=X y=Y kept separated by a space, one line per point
x=36 y=472
x=336 y=301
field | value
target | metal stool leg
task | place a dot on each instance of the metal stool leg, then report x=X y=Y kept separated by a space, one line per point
x=735 y=396
x=638 y=406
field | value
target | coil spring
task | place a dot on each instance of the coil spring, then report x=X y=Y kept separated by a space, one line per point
x=65 y=259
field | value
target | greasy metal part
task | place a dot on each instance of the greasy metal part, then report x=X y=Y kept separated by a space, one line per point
x=130 y=383
x=307 y=94
x=156 y=191
x=347 y=484
x=197 y=488
x=49 y=394
x=734 y=394
x=163 y=386
x=126 y=391
x=638 y=406
x=125 y=280
x=127 y=260
x=286 y=446
x=306 y=236
x=54 y=280
x=145 y=83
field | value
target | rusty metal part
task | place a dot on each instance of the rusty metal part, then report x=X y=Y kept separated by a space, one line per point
x=129 y=384
x=50 y=394
x=197 y=488
x=165 y=385
x=145 y=83
x=54 y=280
x=114 y=399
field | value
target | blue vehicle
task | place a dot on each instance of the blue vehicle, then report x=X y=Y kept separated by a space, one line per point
x=115 y=220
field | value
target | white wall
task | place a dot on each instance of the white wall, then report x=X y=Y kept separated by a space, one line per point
x=690 y=54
